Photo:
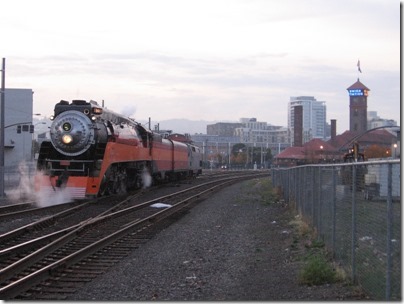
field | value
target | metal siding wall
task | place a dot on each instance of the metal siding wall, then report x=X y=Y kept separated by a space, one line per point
x=18 y=108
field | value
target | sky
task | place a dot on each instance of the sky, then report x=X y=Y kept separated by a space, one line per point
x=214 y=60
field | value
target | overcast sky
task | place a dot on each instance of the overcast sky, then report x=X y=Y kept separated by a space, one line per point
x=204 y=59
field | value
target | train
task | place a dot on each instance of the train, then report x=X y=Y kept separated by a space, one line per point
x=93 y=151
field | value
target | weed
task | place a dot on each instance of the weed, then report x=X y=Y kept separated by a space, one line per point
x=317 y=244
x=303 y=229
x=267 y=192
x=317 y=271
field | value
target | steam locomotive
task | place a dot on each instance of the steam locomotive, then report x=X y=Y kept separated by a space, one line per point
x=94 y=151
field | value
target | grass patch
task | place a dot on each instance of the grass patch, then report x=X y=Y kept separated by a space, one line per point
x=317 y=268
x=260 y=189
x=267 y=192
x=301 y=227
x=263 y=188
x=317 y=271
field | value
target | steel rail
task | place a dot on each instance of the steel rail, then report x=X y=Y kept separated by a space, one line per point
x=16 y=287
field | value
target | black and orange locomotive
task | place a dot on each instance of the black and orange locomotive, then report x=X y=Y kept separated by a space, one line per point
x=94 y=151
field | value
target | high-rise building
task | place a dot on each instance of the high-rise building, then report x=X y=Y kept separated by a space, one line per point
x=314 y=117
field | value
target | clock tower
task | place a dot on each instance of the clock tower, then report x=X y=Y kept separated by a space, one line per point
x=358 y=106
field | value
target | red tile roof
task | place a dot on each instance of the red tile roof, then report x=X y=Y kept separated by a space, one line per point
x=313 y=145
x=292 y=153
x=358 y=85
x=338 y=146
x=379 y=137
x=316 y=143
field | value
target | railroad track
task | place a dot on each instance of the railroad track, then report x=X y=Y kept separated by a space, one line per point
x=18 y=215
x=60 y=261
x=23 y=215
x=11 y=209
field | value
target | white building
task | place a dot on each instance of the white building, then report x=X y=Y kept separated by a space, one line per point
x=374 y=121
x=314 y=117
x=261 y=134
x=18 y=127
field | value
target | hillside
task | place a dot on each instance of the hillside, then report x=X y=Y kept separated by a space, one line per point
x=182 y=125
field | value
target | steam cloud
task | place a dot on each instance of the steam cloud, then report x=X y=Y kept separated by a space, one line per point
x=26 y=191
x=129 y=111
x=146 y=178
x=48 y=196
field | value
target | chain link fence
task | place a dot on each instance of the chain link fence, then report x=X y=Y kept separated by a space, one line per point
x=355 y=209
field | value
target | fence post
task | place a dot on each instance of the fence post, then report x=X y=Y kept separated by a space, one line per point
x=320 y=198
x=304 y=194
x=389 y=229
x=333 y=210
x=313 y=190
x=287 y=196
x=353 y=224
x=297 y=193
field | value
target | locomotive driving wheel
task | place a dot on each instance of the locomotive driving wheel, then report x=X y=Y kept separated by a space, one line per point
x=114 y=181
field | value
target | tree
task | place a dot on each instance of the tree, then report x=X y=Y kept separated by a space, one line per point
x=266 y=156
x=237 y=148
x=376 y=151
x=238 y=154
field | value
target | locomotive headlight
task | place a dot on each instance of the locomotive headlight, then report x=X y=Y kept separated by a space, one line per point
x=67 y=139
x=67 y=126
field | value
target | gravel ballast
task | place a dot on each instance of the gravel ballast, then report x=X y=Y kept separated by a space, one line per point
x=231 y=246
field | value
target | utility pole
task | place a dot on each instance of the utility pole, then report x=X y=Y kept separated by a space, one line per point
x=3 y=93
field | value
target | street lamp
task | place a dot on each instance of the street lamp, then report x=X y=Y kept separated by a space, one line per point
x=321 y=153
x=395 y=148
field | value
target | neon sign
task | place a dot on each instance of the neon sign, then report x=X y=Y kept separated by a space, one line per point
x=355 y=92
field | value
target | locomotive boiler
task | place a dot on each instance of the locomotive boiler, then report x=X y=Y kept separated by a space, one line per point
x=94 y=151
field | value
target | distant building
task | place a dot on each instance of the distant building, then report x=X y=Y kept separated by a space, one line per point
x=222 y=128
x=382 y=138
x=331 y=151
x=260 y=134
x=314 y=117
x=358 y=104
x=312 y=152
x=334 y=150
x=249 y=131
x=221 y=138
x=214 y=145
x=374 y=121
x=253 y=124
x=18 y=126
